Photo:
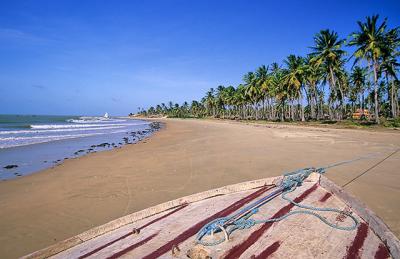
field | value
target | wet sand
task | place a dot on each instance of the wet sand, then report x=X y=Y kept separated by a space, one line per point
x=186 y=157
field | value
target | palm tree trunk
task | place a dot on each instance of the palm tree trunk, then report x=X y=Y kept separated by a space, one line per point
x=311 y=101
x=301 y=106
x=389 y=94
x=273 y=110
x=361 y=101
x=393 y=99
x=333 y=87
x=291 y=110
x=256 y=110
x=263 y=109
x=268 y=109
x=376 y=92
x=330 y=109
x=396 y=99
x=318 y=106
x=343 y=107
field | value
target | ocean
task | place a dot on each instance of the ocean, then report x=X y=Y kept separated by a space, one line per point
x=30 y=143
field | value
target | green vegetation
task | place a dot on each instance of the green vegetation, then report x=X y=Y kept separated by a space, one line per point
x=317 y=87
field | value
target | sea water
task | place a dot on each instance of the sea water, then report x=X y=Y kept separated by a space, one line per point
x=35 y=142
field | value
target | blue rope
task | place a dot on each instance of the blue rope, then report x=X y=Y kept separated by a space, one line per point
x=289 y=183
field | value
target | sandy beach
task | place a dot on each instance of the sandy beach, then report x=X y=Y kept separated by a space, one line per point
x=186 y=157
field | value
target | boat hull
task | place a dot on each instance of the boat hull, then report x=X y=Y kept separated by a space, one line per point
x=169 y=230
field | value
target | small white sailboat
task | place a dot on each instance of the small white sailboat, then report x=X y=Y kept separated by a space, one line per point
x=106 y=115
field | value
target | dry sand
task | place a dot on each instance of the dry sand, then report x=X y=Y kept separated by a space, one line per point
x=186 y=157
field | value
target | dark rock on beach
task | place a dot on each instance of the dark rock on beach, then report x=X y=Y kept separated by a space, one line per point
x=10 y=166
x=155 y=125
x=105 y=144
x=79 y=151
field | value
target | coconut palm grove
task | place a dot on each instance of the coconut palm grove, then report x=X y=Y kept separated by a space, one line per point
x=344 y=77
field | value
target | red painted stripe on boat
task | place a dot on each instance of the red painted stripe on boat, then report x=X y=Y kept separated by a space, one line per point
x=354 y=249
x=132 y=247
x=130 y=233
x=325 y=197
x=382 y=252
x=195 y=228
x=163 y=217
x=239 y=249
x=269 y=250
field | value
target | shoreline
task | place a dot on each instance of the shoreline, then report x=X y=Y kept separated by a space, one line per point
x=186 y=157
x=53 y=153
x=84 y=156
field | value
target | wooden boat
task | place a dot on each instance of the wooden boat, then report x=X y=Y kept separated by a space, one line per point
x=169 y=230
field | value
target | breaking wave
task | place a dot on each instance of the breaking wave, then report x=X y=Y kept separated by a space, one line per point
x=94 y=120
x=29 y=131
x=57 y=130
x=68 y=126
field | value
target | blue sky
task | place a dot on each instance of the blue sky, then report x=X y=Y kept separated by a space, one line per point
x=89 y=57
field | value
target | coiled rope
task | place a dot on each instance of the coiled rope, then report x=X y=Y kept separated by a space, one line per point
x=242 y=219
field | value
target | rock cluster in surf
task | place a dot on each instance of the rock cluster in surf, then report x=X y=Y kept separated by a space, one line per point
x=132 y=137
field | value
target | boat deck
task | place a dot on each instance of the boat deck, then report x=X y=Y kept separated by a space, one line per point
x=171 y=233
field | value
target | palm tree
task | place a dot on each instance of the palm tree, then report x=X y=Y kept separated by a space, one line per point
x=240 y=98
x=170 y=106
x=252 y=90
x=358 y=80
x=228 y=98
x=185 y=109
x=158 y=109
x=209 y=102
x=370 y=43
x=312 y=77
x=294 y=78
x=280 y=90
x=164 y=108
x=262 y=83
x=195 y=109
x=220 y=100
x=328 y=53
x=390 y=66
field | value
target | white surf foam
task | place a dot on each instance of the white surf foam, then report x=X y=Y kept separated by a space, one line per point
x=67 y=126
x=51 y=137
x=8 y=142
x=106 y=127
x=94 y=120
